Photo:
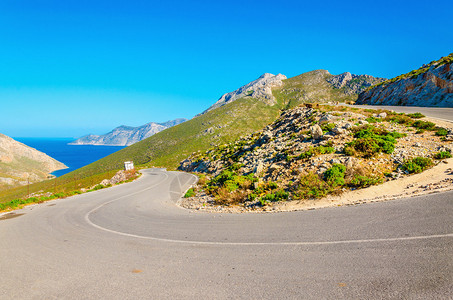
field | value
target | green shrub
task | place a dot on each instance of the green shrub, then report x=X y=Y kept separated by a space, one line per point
x=400 y=119
x=364 y=181
x=368 y=147
x=190 y=193
x=441 y=131
x=278 y=195
x=230 y=181
x=442 y=155
x=370 y=141
x=311 y=186
x=417 y=164
x=307 y=154
x=314 y=151
x=265 y=187
x=373 y=120
x=325 y=149
x=335 y=175
x=425 y=125
x=416 y=115
x=327 y=127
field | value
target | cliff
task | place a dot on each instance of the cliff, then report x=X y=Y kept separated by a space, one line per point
x=430 y=85
x=126 y=135
x=20 y=163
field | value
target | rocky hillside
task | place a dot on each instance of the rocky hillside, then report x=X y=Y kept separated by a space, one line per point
x=430 y=85
x=126 y=135
x=311 y=152
x=20 y=163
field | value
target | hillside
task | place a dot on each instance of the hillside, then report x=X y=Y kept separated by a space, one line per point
x=430 y=85
x=126 y=135
x=20 y=163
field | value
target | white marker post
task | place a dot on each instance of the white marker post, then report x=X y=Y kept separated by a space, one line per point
x=128 y=165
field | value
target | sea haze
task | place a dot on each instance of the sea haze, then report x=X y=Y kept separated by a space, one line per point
x=74 y=156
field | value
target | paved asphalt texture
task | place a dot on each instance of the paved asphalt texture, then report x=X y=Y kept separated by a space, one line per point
x=132 y=242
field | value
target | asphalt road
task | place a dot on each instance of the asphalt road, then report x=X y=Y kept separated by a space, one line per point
x=434 y=112
x=131 y=241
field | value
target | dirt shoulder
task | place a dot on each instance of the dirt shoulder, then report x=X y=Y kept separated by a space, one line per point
x=435 y=180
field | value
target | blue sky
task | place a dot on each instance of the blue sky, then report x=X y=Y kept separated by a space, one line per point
x=69 y=68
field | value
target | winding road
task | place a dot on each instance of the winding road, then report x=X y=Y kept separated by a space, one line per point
x=132 y=241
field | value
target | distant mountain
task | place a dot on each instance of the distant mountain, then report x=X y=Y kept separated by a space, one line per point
x=20 y=163
x=430 y=85
x=126 y=135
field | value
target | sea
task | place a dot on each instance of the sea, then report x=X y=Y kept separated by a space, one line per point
x=73 y=156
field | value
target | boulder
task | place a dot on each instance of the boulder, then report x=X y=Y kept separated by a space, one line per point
x=316 y=132
x=338 y=130
x=325 y=119
x=259 y=168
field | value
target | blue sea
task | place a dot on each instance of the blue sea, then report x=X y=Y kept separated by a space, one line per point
x=74 y=156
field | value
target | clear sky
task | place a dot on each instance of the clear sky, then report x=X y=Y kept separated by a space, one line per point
x=69 y=68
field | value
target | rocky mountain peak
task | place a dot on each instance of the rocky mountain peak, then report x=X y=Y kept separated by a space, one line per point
x=339 y=81
x=260 y=89
x=353 y=84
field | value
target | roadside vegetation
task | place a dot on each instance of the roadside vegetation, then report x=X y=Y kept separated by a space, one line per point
x=51 y=189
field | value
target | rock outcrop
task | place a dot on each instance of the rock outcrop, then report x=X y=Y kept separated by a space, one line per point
x=353 y=84
x=430 y=85
x=126 y=135
x=20 y=163
x=260 y=89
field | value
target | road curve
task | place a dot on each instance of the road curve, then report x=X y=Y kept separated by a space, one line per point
x=131 y=241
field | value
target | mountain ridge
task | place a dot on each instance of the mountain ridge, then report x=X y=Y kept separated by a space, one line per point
x=126 y=135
